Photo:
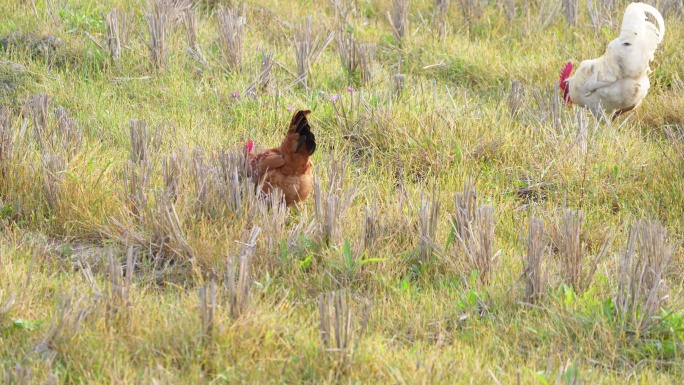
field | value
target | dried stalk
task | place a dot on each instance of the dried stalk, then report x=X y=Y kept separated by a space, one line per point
x=335 y=324
x=515 y=97
x=192 y=48
x=535 y=274
x=239 y=282
x=570 y=7
x=207 y=296
x=159 y=19
x=429 y=215
x=399 y=19
x=473 y=226
x=6 y=142
x=231 y=35
x=643 y=290
x=439 y=16
x=330 y=206
x=117 y=32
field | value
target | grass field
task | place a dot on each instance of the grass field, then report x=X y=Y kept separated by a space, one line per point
x=466 y=226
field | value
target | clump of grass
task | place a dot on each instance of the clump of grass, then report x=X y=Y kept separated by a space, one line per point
x=600 y=12
x=51 y=50
x=241 y=189
x=330 y=205
x=670 y=8
x=57 y=134
x=207 y=298
x=366 y=56
x=71 y=312
x=439 y=17
x=138 y=170
x=308 y=45
x=571 y=8
x=232 y=23
x=53 y=168
x=574 y=254
x=136 y=180
x=515 y=97
x=372 y=225
x=210 y=189
x=354 y=55
x=353 y=118
x=536 y=275
x=273 y=211
x=509 y=8
x=158 y=18
x=643 y=290
x=118 y=25
x=59 y=139
x=473 y=226
x=571 y=248
x=339 y=336
x=346 y=47
x=192 y=47
x=6 y=142
x=20 y=375
x=429 y=215
x=157 y=228
x=7 y=306
x=157 y=225
x=173 y=169
x=471 y=10
x=399 y=82
x=221 y=184
x=39 y=112
x=69 y=131
x=120 y=283
x=547 y=11
x=143 y=142
x=167 y=240
x=239 y=282
x=344 y=12
x=398 y=19
x=263 y=79
x=675 y=136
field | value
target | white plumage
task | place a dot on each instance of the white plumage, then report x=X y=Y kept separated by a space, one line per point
x=618 y=80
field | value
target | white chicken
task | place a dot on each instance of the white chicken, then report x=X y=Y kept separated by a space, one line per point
x=617 y=81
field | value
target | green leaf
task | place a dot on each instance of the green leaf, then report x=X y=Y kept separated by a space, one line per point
x=472 y=297
x=21 y=323
x=450 y=238
x=368 y=260
x=570 y=295
x=347 y=254
x=473 y=277
x=541 y=378
x=306 y=262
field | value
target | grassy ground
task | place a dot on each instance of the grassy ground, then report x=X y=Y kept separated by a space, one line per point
x=119 y=268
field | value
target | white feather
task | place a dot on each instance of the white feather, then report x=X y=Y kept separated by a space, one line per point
x=618 y=80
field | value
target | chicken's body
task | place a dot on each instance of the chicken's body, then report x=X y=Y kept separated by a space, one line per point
x=618 y=80
x=289 y=166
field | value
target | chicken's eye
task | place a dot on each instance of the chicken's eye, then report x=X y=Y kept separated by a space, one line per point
x=627 y=44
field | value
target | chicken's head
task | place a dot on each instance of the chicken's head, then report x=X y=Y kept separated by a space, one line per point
x=249 y=147
x=564 y=86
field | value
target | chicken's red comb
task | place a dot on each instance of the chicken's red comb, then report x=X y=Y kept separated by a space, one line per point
x=565 y=74
x=249 y=146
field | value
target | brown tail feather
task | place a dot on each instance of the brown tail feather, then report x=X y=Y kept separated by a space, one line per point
x=300 y=125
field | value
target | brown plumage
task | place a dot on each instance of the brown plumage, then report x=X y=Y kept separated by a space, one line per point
x=287 y=167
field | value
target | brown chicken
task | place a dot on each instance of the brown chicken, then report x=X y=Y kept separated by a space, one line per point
x=289 y=166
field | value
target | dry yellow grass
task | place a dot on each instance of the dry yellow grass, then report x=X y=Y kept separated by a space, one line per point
x=386 y=147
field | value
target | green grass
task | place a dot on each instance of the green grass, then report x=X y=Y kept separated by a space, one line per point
x=430 y=320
